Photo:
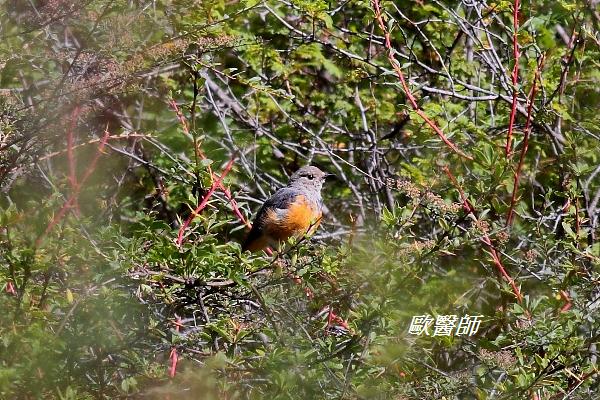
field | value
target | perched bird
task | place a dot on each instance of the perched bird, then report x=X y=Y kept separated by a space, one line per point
x=293 y=211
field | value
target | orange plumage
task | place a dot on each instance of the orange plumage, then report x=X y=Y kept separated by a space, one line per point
x=293 y=211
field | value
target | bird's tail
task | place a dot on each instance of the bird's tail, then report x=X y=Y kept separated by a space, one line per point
x=255 y=241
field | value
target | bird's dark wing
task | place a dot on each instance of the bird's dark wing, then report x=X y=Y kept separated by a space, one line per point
x=281 y=200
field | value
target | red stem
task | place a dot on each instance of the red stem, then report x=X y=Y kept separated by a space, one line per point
x=199 y=152
x=174 y=359
x=174 y=356
x=517 y=175
x=204 y=201
x=565 y=296
x=411 y=98
x=10 y=288
x=485 y=239
x=334 y=318
x=76 y=190
x=515 y=77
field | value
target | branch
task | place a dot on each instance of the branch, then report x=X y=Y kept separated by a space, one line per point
x=485 y=238
x=174 y=357
x=76 y=190
x=204 y=201
x=411 y=98
x=515 y=77
x=201 y=154
x=532 y=94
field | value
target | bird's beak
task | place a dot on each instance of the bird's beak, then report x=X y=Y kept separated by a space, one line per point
x=329 y=175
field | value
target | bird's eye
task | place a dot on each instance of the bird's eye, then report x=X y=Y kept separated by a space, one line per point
x=310 y=176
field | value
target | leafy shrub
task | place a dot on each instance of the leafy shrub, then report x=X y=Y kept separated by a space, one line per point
x=137 y=137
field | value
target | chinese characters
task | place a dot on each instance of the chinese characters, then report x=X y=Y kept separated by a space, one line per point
x=445 y=325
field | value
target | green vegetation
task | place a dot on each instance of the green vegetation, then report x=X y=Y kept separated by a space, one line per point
x=138 y=137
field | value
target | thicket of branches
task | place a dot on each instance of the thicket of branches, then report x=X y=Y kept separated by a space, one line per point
x=139 y=137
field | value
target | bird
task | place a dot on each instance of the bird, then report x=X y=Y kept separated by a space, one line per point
x=293 y=211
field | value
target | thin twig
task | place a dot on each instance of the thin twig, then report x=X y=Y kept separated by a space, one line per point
x=485 y=238
x=411 y=98
x=75 y=194
x=517 y=175
x=515 y=77
x=204 y=201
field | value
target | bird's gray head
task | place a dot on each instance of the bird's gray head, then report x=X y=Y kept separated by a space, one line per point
x=309 y=177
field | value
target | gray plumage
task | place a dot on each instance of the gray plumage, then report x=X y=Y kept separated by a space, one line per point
x=307 y=181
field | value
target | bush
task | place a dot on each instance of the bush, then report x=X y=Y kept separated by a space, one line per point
x=138 y=137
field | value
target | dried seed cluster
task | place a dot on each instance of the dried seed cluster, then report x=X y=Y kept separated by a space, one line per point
x=424 y=196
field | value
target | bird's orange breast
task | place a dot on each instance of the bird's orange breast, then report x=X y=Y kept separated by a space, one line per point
x=301 y=217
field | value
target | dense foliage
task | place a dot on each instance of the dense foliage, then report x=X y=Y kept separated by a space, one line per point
x=138 y=137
